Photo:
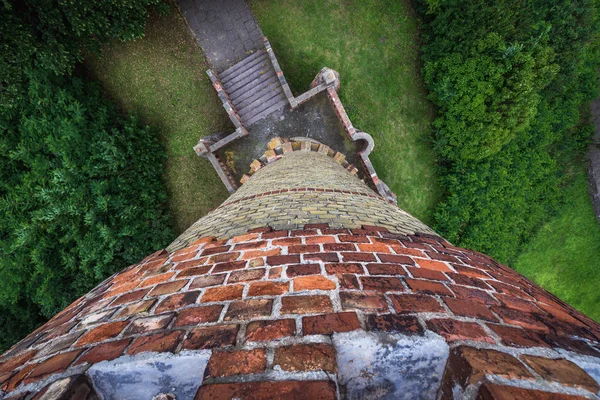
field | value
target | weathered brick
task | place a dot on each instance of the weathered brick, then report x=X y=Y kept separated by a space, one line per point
x=306 y=304
x=268 y=288
x=304 y=232
x=287 y=242
x=348 y=282
x=149 y=324
x=374 y=248
x=468 y=271
x=240 y=362
x=198 y=315
x=382 y=284
x=466 y=308
x=518 y=337
x=468 y=365
x=386 y=269
x=104 y=352
x=428 y=287
x=468 y=281
x=490 y=391
x=516 y=303
x=52 y=365
x=293 y=390
x=274 y=234
x=325 y=257
x=393 y=258
x=301 y=249
x=251 y=245
x=215 y=250
x=136 y=308
x=158 y=342
x=306 y=357
x=279 y=260
x=302 y=269
x=177 y=301
x=229 y=266
x=422 y=273
x=157 y=279
x=245 y=238
x=339 y=247
x=256 y=262
x=329 y=323
x=366 y=301
x=405 y=324
x=344 y=268
x=562 y=371
x=248 y=309
x=209 y=337
x=434 y=265
x=129 y=297
x=168 y=287
x=471 y=294
x=253 y=254
x=246 y=275
x=313 y=282
x=260 y=331
x=16 y=379
x=353 y=239
x=516 y=317
x=320 y=240
x=222 y=293
x=206 y=281
x=452 y=330
x=191 y=264
x=102 y=332
x=275 y=273
x=360 y=257
x=195 y=271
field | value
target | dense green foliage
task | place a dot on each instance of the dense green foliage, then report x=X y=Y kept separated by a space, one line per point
x=509 y=80
x=81 y=192
x=564 y=255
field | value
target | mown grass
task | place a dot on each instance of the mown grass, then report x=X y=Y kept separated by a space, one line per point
x=161 y=78
x=375 y=48
x=564 y=257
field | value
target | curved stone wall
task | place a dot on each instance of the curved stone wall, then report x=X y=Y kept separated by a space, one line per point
x=301 y=187
x=313 y=313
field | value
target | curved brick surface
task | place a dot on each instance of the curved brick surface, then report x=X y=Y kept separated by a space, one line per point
x=274 y=302
x=302 y=187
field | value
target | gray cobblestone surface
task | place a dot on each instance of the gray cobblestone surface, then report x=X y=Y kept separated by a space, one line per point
x=226 y=30
x=292 y=210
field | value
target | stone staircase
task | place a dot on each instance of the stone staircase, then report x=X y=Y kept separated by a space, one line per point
x=253 y=88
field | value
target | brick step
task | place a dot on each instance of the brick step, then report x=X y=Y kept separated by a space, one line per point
x=277 y=105
x=241 y=98
x=256 y=69
x=252 y=97
x=249 y=81
x=242 y=65
x=259 y=104
x=250 y=85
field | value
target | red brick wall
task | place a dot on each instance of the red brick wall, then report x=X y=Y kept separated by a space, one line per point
x=240 y=297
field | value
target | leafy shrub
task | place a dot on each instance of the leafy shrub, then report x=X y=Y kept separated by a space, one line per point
x=510 y=80
x=81 y=192
x=81 y=196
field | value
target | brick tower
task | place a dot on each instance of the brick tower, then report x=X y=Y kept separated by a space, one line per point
x=307 y=283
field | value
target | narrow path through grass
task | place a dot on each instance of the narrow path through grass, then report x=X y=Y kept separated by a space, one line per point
x=375 y=48
x=162 y=79
x=564 y=257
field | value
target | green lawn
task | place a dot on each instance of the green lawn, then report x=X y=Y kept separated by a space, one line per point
x=564 y=257
x=374 y=46
x=162 y=79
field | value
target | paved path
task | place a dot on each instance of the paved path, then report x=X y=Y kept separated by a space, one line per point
x=226 y=30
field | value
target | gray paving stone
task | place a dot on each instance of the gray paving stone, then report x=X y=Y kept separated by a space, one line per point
x=226 y=30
